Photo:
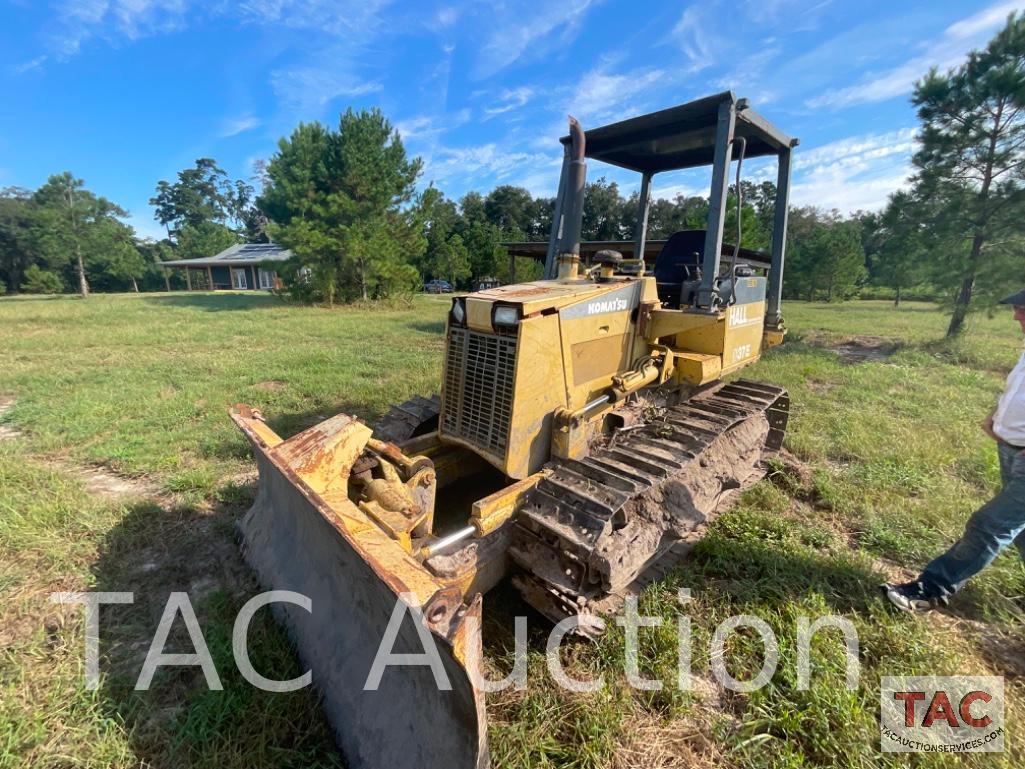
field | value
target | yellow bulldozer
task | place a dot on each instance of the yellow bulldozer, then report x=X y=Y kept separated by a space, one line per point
x=584 y=436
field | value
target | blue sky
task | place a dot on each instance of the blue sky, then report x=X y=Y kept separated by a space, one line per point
x=127 y=92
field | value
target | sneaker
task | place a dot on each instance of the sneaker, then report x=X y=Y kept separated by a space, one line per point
x=912 y=597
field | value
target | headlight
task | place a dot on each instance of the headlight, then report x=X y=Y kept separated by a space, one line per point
x=507 y=316
x=458 y=312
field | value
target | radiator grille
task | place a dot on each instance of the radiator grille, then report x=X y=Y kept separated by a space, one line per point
x=478 y=389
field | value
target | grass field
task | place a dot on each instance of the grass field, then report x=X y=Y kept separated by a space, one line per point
x=120 y=470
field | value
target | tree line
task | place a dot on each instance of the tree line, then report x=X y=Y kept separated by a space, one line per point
x=347 y=202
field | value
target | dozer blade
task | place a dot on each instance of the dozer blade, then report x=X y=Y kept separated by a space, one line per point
x=303 y=534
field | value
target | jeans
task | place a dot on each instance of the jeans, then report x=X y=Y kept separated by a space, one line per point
x=991 y=528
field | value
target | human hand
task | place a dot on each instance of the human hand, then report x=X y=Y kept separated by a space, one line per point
x=987 y=427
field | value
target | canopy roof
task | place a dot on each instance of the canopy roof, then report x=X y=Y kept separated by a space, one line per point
x=536 y=249
x=239 y=255
x=681 y=137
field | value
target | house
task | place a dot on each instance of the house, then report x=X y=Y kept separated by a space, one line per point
x=245 y=266
x=483 y=284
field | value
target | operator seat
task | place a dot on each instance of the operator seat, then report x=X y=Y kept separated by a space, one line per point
x=679 y=261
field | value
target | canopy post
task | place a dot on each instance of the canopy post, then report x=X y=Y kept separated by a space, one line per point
x=773 y=312
x=556 y=232
x=707 y=298
x=643 y=206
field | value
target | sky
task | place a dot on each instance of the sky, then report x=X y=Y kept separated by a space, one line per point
x=124 y=93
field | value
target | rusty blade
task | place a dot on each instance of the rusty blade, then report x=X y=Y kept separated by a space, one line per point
x=322 y=546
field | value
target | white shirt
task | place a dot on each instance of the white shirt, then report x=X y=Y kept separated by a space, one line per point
x=1009 y=419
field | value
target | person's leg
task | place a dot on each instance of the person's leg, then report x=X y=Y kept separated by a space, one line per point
x=1006 y=454
x=1019 y=542
x=990 y=529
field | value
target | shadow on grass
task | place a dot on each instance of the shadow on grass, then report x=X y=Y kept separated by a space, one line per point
x=217 y=301
x=776 y=573
x=179 y=722
x=957 y=352
x=288 y=424
x=428 y=326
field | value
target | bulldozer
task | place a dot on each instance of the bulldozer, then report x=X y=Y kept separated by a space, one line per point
x=584 y=437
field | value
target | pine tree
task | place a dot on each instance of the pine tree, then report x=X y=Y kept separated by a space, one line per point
x=337 y=199
x=971 y=161
x=898 y=241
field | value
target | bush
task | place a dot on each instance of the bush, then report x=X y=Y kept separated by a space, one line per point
x=39 y=281
x=912 y=294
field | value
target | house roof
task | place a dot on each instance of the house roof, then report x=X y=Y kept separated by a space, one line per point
x=237 y=255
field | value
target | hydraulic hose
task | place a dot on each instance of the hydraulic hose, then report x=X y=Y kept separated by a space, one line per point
x=740 y=230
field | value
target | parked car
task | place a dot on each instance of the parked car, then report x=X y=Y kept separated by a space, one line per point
x=438 y=287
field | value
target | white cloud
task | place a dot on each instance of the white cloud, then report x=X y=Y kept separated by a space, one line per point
x=115 y=21
x=669 y=192
x=858 y=148
x=331 y=16
x=307 y=89
x=236 y=125
x=751 y=69
x=796 y=15
x=947 y=51
x=490 y=162
x=337 y=38
x=415 y=127
x=510 y=99
x=857 y=172
x=28 y=66
x=543 y=183
x=515 y=28
x=694 y=35
x=426 y=128
x=869 y=194
x=601 y=95
x=446 y=17
x=983 y=22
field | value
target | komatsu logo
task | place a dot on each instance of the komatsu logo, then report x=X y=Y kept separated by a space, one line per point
x=610 y=305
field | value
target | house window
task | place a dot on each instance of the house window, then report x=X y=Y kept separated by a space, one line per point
x=238 y=278
x=266 y=278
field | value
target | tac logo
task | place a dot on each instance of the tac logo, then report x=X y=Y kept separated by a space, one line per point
x=942 y=714
x=609 y=305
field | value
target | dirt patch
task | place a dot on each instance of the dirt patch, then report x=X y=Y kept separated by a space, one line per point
x=653 y=744
x=864 y=349
x=7 y=432
x=102 y=482
x=679 y=743
x=1006 y=653
x=162 y=548
x=895 y=573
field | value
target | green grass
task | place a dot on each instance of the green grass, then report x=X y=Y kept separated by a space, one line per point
x=891 y=465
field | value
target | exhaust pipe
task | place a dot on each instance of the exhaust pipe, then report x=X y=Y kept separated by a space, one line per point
x=573 y=205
